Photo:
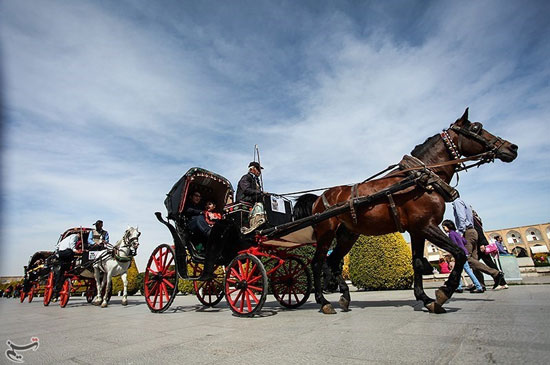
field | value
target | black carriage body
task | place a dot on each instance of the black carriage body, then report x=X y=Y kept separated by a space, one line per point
x=278 y=209
x=36 y=269
x=212 y=187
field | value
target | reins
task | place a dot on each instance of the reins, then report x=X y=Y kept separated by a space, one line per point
x=484 y=157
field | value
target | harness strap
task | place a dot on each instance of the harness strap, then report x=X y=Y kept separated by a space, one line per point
x=352 y=201
x=395 y=213
x=325 y=201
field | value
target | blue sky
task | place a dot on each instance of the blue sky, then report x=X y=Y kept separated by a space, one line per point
x=106 y=104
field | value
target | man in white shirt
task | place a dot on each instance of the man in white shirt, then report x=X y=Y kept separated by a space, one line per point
x=65 y=253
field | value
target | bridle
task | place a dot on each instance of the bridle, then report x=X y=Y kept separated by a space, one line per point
x=472 y=132
x=127 y=243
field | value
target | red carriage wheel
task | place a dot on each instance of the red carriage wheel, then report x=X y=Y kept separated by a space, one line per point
x=31 y=294
x=65 y=293
x=208 y=292
x=48 y=290
x=160 y=283
x=291 y=283
x=245 y=285
x=22 y=296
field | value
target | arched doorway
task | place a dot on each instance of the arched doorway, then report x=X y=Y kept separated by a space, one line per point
x=519 y=252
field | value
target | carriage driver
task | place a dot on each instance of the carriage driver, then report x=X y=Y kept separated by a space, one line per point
x=98 y=237
x=249 y=190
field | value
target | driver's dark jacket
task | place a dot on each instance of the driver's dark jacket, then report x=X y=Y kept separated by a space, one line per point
x=248 y=189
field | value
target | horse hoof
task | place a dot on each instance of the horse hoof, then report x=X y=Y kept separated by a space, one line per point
x=104 y=305
x=328 y=309
x=344 y=303
x=440 y=297
x=124 y=302
x=434 y=307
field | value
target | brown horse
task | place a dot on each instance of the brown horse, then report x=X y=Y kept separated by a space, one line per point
x=417 y=209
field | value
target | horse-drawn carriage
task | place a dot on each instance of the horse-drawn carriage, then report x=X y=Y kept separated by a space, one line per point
x=78 y=275
x=40 y=272
x=249 y=259
x=410 y=197
x=36 y=273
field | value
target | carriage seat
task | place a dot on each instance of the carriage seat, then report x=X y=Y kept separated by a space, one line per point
x=238 y=212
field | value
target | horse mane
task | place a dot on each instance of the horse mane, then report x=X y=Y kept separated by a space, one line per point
x=421 y=149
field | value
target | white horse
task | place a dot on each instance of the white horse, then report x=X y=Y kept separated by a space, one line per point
x=115 y=262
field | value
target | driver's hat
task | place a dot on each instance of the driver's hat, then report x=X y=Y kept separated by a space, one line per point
x=256 y=165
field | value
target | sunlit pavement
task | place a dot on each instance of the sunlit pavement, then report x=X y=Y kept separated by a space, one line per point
x=505 y=327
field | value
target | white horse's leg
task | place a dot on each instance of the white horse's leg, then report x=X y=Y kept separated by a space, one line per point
x=97 y=276
x=107 y=280
x=124 y=277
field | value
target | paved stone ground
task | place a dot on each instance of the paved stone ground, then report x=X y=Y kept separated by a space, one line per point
x=504 y=327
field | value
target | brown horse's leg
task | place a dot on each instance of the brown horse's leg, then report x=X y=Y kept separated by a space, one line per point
x=323 y=243
x=344 y=242
x=417 y=245
x=435 y=235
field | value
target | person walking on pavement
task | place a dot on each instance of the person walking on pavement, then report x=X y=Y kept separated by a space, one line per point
x=464 y=220
x=450 y=228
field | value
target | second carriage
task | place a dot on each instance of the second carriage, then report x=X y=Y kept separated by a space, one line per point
x=79 y=277
x=250 y=265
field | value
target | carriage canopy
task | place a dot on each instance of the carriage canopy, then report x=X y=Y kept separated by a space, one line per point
x=213 y=187
x=83 y=231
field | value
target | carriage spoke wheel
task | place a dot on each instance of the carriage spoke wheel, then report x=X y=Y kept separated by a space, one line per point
x=160 y=283
x=291 y=283
x=245 y=285
x=65 y=293
x=31 y=293
x=48 y=290
x=208 y=292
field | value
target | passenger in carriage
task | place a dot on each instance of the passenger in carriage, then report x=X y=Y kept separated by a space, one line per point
x=210 y=215
x=195 y=213
x=98 y=237
x=65 y=254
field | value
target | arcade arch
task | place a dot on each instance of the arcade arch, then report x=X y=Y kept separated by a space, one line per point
x=513 y=237
x=533 y=234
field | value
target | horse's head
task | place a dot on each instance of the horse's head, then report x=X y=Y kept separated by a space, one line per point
x=472 y=140
x=131 y=240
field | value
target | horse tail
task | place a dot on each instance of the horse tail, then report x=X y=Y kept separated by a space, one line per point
x=303 y=206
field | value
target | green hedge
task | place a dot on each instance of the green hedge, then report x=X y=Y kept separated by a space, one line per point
x=133 y=284
x=381 y=262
